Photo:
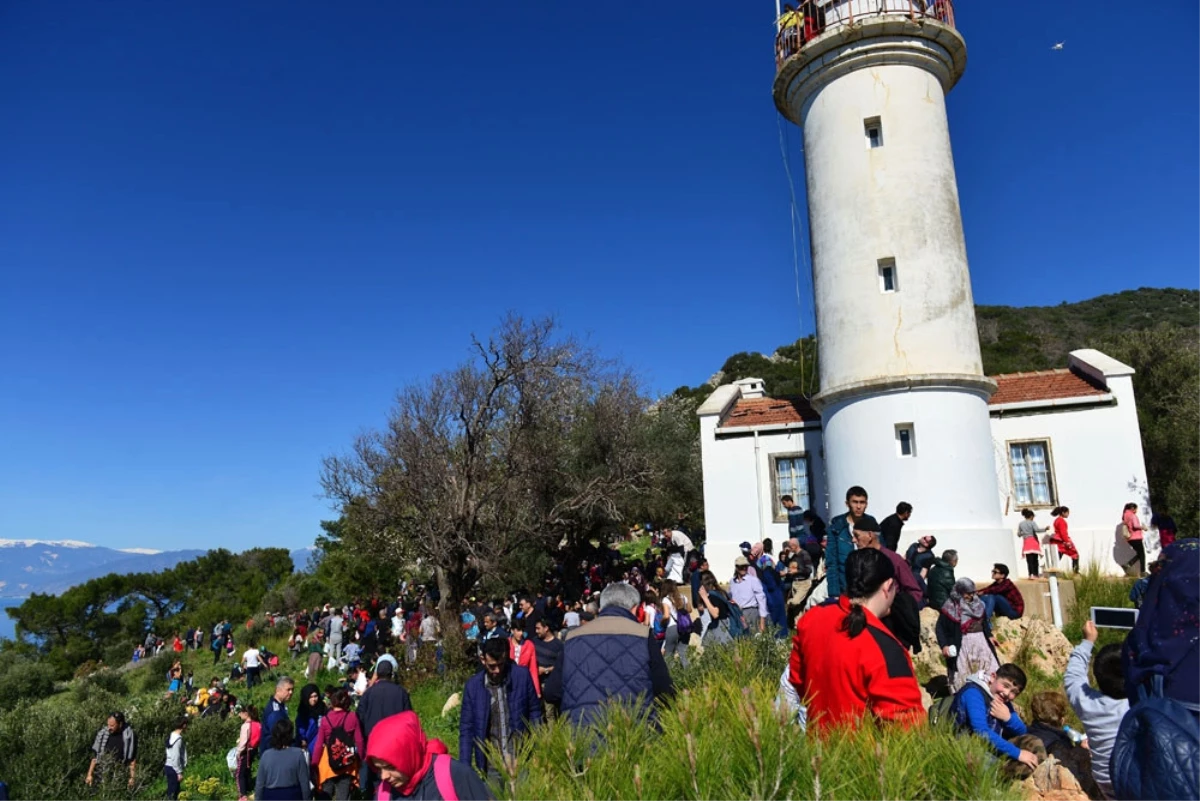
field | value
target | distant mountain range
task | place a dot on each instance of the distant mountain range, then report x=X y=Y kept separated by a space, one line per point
x=52 y=566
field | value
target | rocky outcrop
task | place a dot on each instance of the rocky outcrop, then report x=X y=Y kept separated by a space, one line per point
x=1045 y=647
x=1052 y=782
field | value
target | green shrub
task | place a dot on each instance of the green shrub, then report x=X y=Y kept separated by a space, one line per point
x=211 y=735
x=109 y=680
x=754 y=658
x=25 y=680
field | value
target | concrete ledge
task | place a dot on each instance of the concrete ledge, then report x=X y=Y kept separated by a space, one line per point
x=872 y=386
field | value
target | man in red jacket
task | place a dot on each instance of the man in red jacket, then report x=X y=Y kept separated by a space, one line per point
x=1002 y=597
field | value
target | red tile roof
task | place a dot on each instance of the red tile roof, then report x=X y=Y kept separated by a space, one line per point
x=770 y=411
x=1013 y=388
x=1042 y=385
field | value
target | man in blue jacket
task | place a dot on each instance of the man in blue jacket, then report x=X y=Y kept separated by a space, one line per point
x=839 y=540
x=613 y=658
x=276 y=710
x=499 y=705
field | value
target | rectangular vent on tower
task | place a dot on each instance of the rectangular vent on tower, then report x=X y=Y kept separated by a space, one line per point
x=906 y=441
x=887 y=276
x=873 y=129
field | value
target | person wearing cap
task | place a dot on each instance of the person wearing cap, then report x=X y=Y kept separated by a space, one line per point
x=745 y=547
x=382 y=699
x=746 y=591
x=839 y=540
x=904 y=619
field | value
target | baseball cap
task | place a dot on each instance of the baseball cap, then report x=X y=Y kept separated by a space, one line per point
x=866 y=523
x=383 y=669
x=741 y=561
x=745 y=546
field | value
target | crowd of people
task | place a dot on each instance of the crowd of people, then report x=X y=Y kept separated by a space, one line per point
x=603 y=628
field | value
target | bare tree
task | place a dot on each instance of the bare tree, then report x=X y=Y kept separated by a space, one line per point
x=531 y=441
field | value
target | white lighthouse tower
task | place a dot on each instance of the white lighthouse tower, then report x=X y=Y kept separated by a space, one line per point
x=903 y=397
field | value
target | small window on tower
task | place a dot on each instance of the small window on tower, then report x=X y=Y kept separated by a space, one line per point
x=906 y=442
x=874 y=131
x=887 y=275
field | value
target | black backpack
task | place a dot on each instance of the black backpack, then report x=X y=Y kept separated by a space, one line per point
x=343 y=754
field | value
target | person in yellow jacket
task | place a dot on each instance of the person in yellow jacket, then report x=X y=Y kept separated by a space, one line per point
x=790 y=24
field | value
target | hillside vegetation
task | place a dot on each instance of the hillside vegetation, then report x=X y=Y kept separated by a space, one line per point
x=1040 y=337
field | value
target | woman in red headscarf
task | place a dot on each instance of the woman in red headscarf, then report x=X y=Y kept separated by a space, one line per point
x=411 y=766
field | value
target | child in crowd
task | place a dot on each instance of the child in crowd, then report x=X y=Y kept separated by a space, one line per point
x=984 y=706
x=1100 y=710
x=1049 y=710
x=1031 y=546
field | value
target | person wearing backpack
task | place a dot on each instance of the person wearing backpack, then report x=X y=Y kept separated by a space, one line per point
x=410 y=765
x=249 y=738
x=746 y=590
x=1099 y=710
x=1157 y=749
x=726 y=616
x=677 y=615
x=338 y=748
x=984 y=707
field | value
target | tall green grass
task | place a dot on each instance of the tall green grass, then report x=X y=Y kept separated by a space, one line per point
x=722 y=737
x=1093 y=588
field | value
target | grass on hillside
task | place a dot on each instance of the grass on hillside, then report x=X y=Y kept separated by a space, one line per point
x=722 y=737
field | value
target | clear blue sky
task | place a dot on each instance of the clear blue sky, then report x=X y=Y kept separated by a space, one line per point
x=229 y=231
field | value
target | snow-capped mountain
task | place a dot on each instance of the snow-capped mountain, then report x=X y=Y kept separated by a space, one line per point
x=51 y=566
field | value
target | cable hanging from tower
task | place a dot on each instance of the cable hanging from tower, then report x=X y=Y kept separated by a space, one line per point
x=798 y=248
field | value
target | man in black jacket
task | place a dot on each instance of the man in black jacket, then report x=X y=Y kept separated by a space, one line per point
x=382 y=699
x=890 y=526
x=612 y=658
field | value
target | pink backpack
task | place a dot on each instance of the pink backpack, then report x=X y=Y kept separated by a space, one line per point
x=441 y=775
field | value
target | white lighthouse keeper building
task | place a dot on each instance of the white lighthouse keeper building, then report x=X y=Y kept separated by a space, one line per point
x=903 y=398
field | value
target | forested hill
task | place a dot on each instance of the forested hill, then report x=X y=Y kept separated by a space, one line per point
x=1013 y=338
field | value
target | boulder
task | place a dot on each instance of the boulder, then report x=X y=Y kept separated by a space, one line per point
x=1052 y=782
x=1047 y=648
x=931 y=653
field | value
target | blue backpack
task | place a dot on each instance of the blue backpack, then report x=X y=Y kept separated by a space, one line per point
x=737 y=621
x=1157 y=750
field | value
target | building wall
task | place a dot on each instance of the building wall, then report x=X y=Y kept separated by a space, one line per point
x=738 y=500
x=1097 y=465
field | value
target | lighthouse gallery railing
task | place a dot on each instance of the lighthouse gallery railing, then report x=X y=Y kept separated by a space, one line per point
x=799 y=26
